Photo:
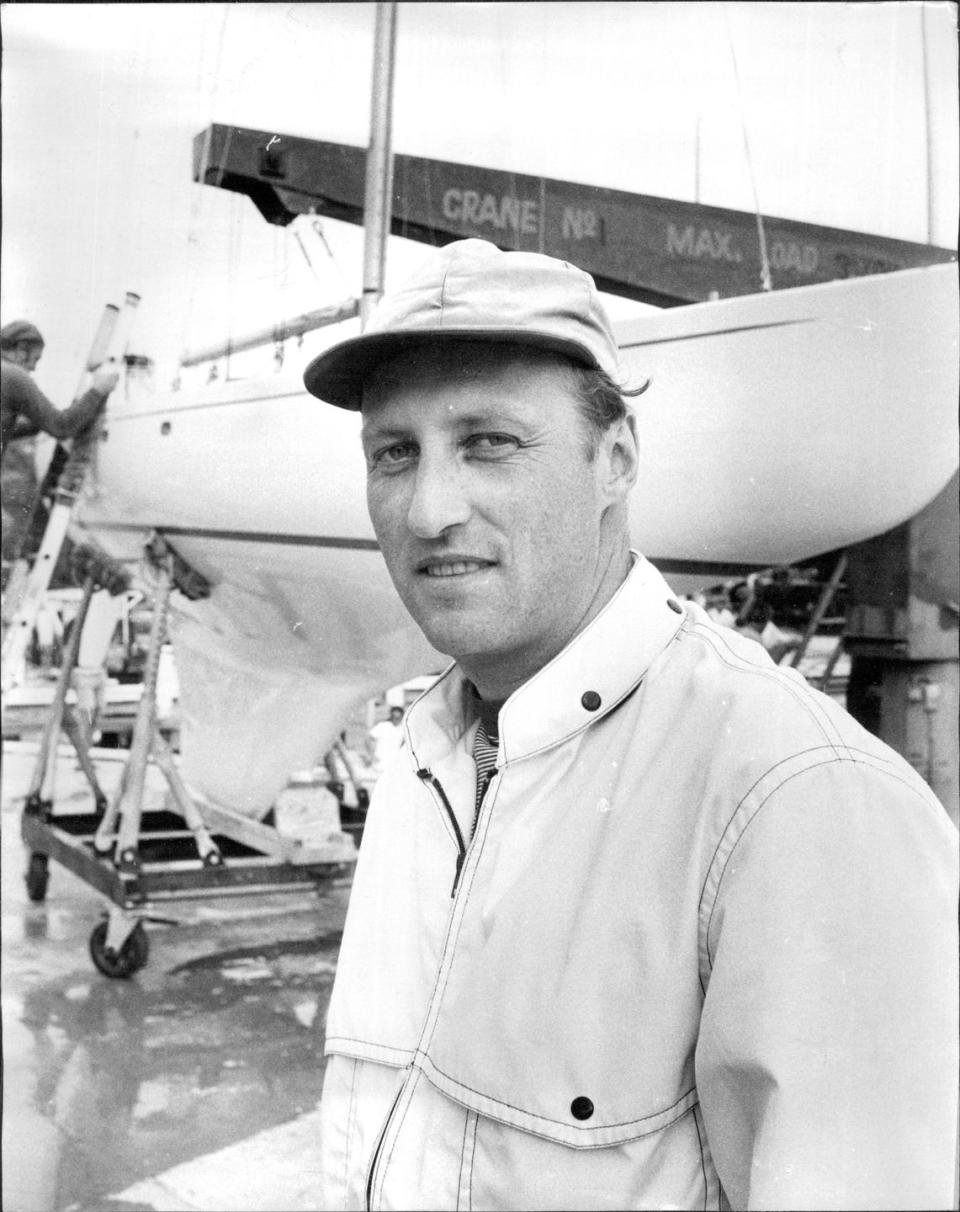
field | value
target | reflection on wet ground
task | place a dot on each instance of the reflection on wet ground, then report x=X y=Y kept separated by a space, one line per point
x=218 y=1037
x=134 y=1081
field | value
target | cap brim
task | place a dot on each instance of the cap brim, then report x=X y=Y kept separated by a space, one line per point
x=337 y=376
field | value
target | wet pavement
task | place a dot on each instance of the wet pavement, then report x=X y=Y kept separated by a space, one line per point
x=113 y=1086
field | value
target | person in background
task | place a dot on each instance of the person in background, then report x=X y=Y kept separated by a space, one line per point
x=385 y=739
x=640 y=919
x=48 y=633
x=24 y=409
x=24 y=412
x=754 y=619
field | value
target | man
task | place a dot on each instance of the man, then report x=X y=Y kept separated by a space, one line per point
x=24 y=412
x=385 y=739
x=24 y=409
x=640 y=920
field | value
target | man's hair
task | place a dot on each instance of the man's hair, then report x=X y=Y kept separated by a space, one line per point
x=602 y=402
x=19 y=332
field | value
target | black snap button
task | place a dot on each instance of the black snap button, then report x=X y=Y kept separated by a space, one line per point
x=675 y=605
x=581 y=1107
x=590 y=700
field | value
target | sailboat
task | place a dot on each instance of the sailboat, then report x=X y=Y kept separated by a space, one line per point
x=743 y=465
x=779 y=425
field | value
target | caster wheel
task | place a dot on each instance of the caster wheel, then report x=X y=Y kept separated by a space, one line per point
x=38 y=876
x=123 y=963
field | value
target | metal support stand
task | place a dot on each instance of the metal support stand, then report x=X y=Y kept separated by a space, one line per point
x=134 y=856
x=39 y=794
x=129 y=804
x=835 y=654
x=206 y=847
x=826 y=597
x=119 y=830
x=39 y=799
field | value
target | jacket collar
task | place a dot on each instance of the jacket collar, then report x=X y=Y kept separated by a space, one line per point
x=596 y=671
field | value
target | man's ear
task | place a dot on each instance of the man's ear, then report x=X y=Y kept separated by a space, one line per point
x=619 y=458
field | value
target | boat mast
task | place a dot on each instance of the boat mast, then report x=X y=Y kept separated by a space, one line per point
x=379 y=178
x=274 y=334
x=928 y=106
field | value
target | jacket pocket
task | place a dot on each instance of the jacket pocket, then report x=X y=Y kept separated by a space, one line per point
x=669 y=1168
x=576 y=1023
x=577 y=1120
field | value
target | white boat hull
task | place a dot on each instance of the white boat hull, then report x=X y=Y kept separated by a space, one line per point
x=776 y=427
x=783 y=425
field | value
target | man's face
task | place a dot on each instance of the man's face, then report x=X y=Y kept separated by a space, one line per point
x=486 y=502
x=25 y=355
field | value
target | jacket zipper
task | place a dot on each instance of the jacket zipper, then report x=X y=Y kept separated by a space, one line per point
x=427 y=776
x=380 y=1140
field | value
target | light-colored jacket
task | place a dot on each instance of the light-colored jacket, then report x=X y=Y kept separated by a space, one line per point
x=700 y=952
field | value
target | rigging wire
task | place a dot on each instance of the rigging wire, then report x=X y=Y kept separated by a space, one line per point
x=135 y=161
x=766 y=281
x=194 y=246
x=281 y=280
x=317 y=227
x=234 y=245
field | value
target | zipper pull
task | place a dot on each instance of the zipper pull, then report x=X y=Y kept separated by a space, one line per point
x=456 y=874
x=427 y=776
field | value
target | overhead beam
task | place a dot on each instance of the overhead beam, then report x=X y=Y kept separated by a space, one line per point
x=657 y=250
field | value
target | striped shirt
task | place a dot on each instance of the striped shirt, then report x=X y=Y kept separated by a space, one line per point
x=485 y=746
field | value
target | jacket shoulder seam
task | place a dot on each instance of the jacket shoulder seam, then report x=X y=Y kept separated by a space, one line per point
x=734 y=835
x=806 y=703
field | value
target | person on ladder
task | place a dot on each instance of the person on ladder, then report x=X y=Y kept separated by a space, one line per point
x=24 y=412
